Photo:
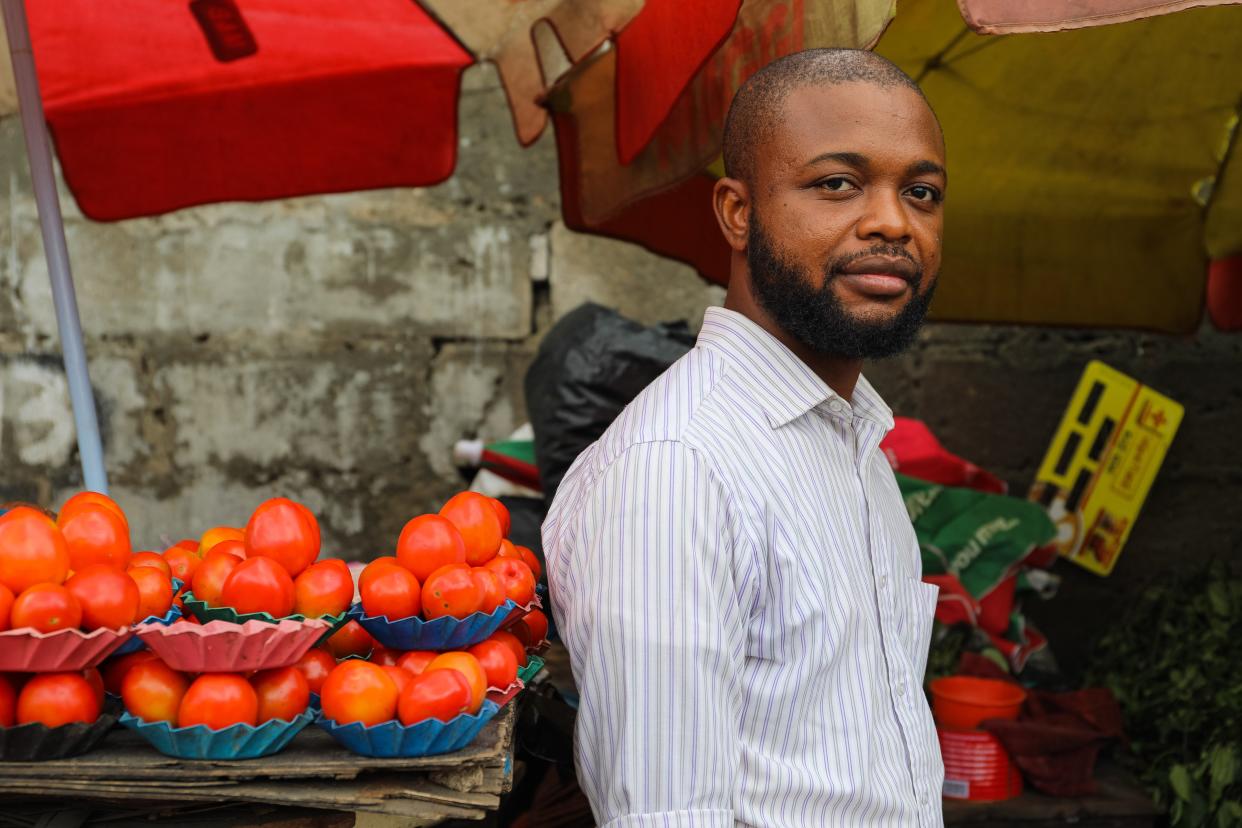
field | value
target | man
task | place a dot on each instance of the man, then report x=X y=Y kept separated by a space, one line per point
x=732 y=566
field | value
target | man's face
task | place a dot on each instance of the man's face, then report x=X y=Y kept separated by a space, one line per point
x=846 y=216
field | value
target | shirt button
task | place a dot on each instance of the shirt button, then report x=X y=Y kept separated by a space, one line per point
x=901 y=688
x=923 y=799
x=836 y=406
x=883 y=582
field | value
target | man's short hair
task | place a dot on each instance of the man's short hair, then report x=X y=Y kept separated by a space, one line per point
x=756 y=106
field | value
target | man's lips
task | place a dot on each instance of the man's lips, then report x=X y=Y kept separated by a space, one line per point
x=880 y=275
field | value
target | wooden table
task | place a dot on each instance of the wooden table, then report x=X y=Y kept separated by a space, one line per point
x=313 y=772
x=1117 y=803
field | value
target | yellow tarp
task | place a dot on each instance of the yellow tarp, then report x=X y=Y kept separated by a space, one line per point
x=1082 y=164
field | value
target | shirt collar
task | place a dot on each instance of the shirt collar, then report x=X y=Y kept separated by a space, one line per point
x=787 y=386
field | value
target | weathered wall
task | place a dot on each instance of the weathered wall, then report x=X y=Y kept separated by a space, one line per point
x=332 y=349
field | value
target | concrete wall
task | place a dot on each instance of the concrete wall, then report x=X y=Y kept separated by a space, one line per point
x=332 y=349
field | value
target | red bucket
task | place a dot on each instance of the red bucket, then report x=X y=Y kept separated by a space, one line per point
x=976 y=767
x=962 y=702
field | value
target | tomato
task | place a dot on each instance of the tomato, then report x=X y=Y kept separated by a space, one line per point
x=109 y=597
x=217 y=534
x=451 y=590
x=234 y=547
x=531 y=560
x=429 y=542
x=498 y=662
x=95 y=680
x=259 y=585
x=324 y=588
x=350 y=639
x=47 y=608
x=32 y=550
x=155 y=591
x=182 y=563
x=315 y=666
x=502 y=512
x=153 y=691
x=399 y=677
x=116 y=669
x=532 y=628
x=6 y=606
x=284 y=531
x=441 y=694
x=283 y=693
x=373 y=569
x=218 y=700
x=475 y=517
x=513 y=643
x=468 y=666
x=491 y=592
x=516 y=578
x=56 y=699
x=415 y=662
x=151 y=559
x=394 y=593
x=8 y=702
x=384 y=657
x=188 y=544
x=96 y=535
x=359 y=691
x=209 y=579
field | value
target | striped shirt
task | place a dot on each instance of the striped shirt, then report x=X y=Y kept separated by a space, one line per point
x=738 y=583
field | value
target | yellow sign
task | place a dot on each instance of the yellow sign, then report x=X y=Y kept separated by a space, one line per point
x=1102 y=462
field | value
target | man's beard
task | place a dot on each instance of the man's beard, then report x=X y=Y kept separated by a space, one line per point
x=815 y=316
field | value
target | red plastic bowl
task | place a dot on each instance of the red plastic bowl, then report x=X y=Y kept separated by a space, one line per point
x=962 y=702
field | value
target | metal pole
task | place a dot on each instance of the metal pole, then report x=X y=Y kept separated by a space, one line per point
x=39 y=153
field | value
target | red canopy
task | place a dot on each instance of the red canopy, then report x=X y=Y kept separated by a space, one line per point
x=200 y=102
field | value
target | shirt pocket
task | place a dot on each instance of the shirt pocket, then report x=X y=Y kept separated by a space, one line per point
x=918 y=601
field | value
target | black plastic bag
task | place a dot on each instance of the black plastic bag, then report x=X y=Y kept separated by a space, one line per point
x=589 y=367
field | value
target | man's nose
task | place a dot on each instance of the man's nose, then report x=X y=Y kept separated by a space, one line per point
x=884 y=217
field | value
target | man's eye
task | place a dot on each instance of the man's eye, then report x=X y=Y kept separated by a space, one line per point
x=837 y=185
x=921 y=192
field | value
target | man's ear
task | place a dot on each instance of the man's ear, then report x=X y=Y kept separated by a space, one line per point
x=731 y=201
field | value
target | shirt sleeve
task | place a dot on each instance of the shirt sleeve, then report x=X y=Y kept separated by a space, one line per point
x=647 y=603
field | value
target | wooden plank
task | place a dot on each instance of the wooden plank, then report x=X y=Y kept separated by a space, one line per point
x=1118 y=801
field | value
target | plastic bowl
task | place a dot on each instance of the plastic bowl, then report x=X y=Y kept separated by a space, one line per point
x=962 y=702
x=393 y=740
x=135 y=644
x=206 y=614
x=533 y=665
x=39 y=743
x=444 y=633
x=223 y=647
x=27 y=651
x=239 y=741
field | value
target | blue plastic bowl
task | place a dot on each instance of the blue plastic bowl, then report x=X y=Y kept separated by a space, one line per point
x=442 y=633
x=240 y=741
x=393 y=740
x=135 y=644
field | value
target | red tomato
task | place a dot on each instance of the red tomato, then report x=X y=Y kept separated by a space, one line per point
x=516 y=578
x=373 y=569
x=116 y=669
x=95 y=680
x=284 y=531
x=57 y=699
x=234 y=547
x=468 y=666
x=108 y=596
x=394 y=593
x=153 y=691
x=532 y=560
x=324 y=588
x=508 y=550
x=415 y=662
x=514 y=644
x=218 y=700
x=475 y=517
x=32 y=550
x=429 y=542
x=399 y=677
x=498 y=663
x=315 y=667
x=188 y=544
x=350 y=640
x=217 y=535
x=96 y=534
x=8 y=702
x=283 y=693
x=384 y=657
x=153 y=559
x=182 y=563
x=450 y=590
x=491 y=592
x=209 y=579
x=440 y=694
x=502 y=512
x=359 y=691
x=47 y=608
x=6 y=606
x=155 y=591
x=532 y=628
x=259 y=585
x=93 y=499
